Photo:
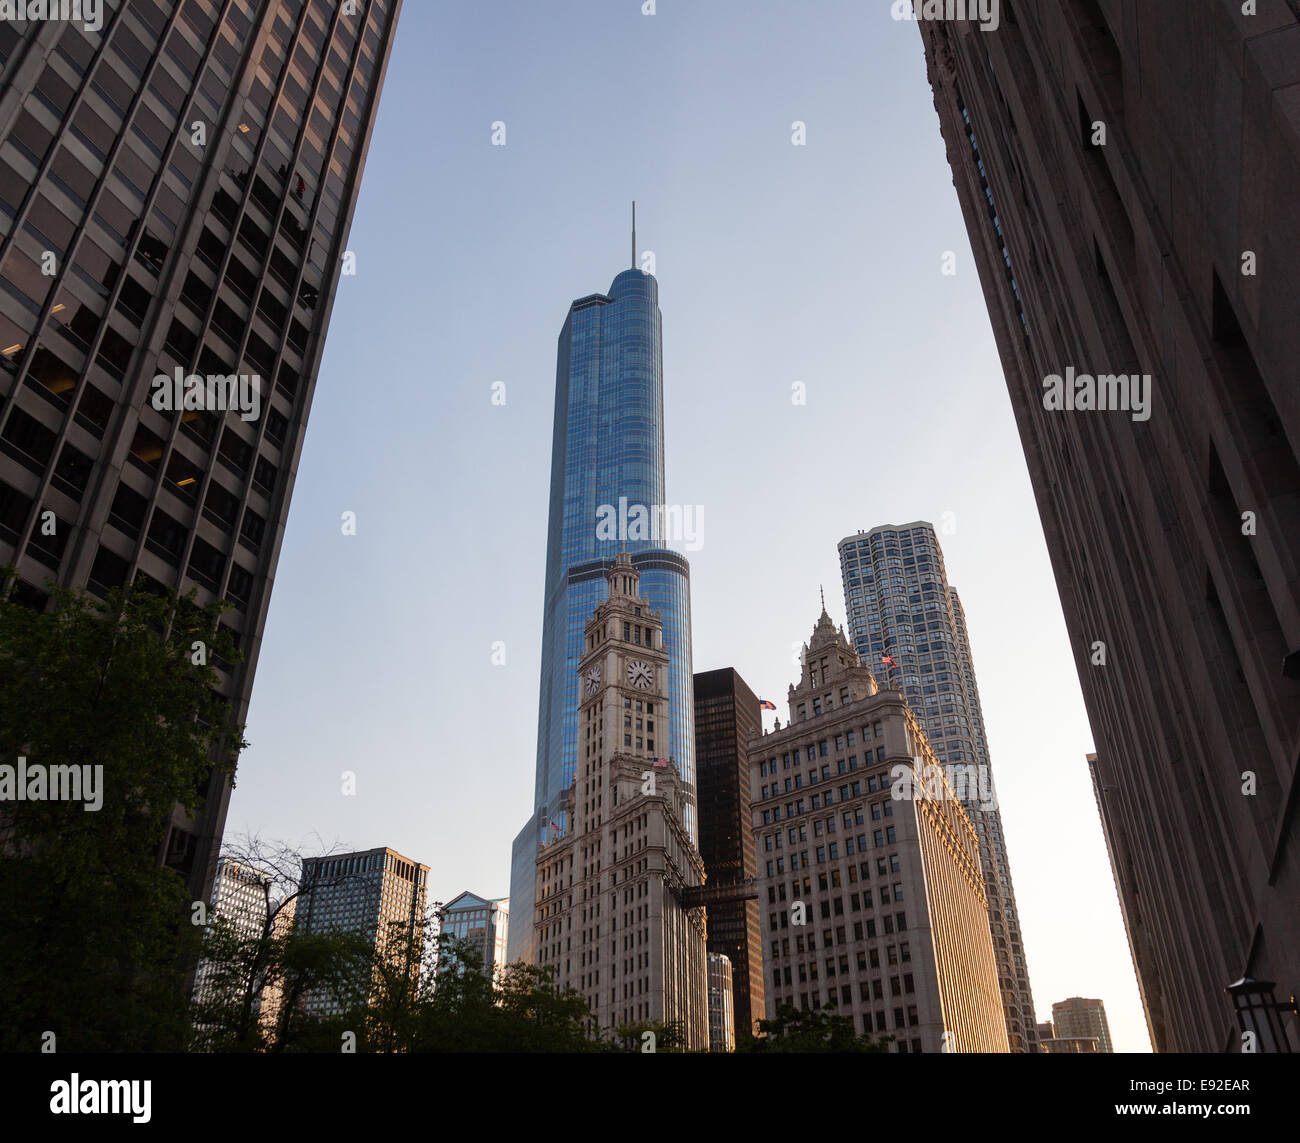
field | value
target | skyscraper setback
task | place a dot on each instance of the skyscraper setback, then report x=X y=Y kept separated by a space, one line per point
x=607 y=449
x=1127 y=173
x=900 y=605
x=176 y=190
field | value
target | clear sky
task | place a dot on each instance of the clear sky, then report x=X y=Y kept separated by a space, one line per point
x=777 y=264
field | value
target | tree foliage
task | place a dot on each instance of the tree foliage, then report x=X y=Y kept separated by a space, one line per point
x=807 y=1030
x=257 y=967
x=457 y=1008
x=94 y=929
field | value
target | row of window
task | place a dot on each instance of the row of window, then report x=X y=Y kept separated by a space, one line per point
x=819 y=749
x=862 y=930
x=825 y=799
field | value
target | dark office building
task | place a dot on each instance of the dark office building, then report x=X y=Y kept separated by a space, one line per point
x=727 y=717
x=176 y=190
x=1128 y=176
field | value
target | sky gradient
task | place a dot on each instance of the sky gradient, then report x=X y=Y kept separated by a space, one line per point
x=776 y=264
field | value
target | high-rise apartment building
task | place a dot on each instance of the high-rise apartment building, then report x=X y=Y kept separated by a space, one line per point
x=245 y=897
x=869 y=866
x=607 y=496
x=1127 y=173
x=1078 y=1018
x=722 y=1013
x=376 y=893
x=481 y=923
x=614 y=917
x=239 y=897
x=727 y=719
x=901 y=606
x=176 y=189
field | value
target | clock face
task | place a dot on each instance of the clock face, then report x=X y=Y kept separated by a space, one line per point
x=640 y=674
x=593 y=679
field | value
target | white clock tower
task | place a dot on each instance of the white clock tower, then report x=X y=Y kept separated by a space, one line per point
x=609 y=916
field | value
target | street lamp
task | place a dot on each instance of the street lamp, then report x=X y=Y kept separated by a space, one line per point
x=1259 y=1014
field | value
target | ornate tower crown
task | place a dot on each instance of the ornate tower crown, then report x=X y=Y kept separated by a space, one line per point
x=624 y=579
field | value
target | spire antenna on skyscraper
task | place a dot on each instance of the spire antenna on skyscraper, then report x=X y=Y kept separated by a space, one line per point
x=634 y=234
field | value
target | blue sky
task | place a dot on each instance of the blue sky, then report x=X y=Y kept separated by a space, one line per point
x=777 y=264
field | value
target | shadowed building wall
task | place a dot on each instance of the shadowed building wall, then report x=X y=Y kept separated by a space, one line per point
x=213 y=249
x=727 y=718
x=1127 y=172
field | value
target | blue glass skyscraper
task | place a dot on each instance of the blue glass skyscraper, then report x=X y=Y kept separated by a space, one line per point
x=607 y=453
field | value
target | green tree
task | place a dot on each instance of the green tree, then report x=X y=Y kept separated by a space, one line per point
x=336 y=965
x=94 y=930
x=402 y=985
x=807 y=1030
x=257 y=967
x=457 y=1008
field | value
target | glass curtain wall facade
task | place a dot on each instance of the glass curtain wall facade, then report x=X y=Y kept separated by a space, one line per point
x=607 y=453
x=176 y=188
x=727 y=720
x=481 y=922
x=899 y=603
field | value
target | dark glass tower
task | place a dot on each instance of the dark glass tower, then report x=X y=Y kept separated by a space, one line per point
x=176 y=190
x=607 y=450
x=727 y=720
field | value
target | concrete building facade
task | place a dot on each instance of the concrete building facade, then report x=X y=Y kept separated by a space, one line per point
x=1082 y=1018
x=376 y=893
x=722 y=1013
x=1127 y=173
x=869 y=867
x=900 y=605
x=245 y=897
x=174 y=253
x=239 y=896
